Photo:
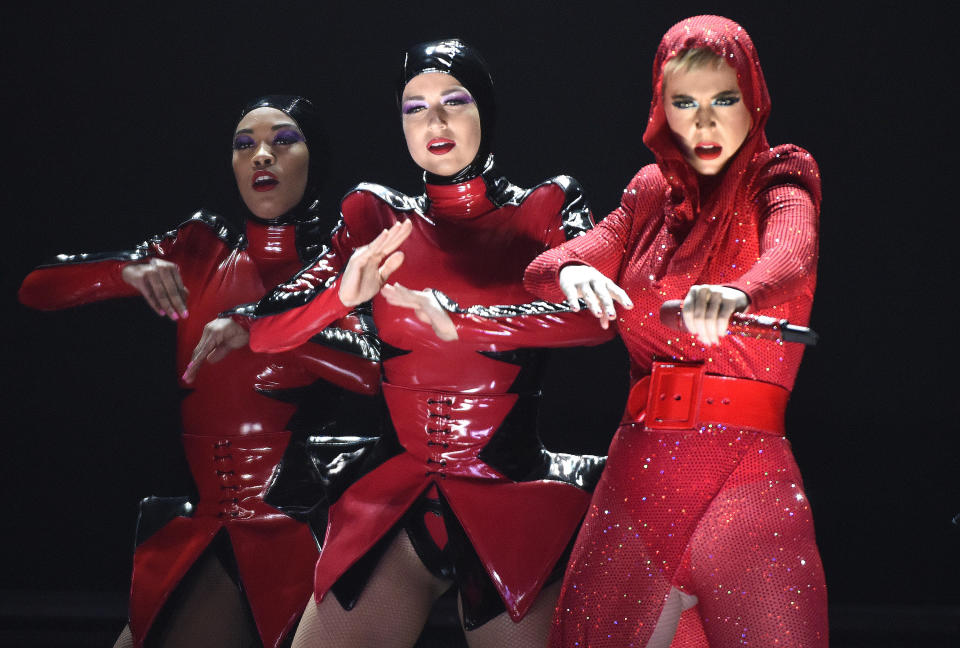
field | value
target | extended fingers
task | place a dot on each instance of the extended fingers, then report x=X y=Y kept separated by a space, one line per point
x=210 y=340
x=619 y=295
x=200 y=352
x=168 y=276
x=425 y=307
x=567 y=280
x=391 y=263
x=397 y=295
x=389 y=239
x=151 y=298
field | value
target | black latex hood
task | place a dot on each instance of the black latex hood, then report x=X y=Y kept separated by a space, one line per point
x=307 y=117
x=454 y=57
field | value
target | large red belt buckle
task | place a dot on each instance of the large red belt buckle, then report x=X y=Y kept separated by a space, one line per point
x=676 y=391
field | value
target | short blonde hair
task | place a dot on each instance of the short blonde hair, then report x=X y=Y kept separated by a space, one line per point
x=692 y=59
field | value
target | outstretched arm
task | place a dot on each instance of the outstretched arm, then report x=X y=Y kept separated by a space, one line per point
x=323 y=303
x=150 y=269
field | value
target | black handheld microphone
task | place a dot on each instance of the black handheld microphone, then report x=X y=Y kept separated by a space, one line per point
x=756 y=326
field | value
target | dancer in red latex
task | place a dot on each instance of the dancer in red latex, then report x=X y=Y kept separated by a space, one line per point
x=701 y=506
x=202 y=566
x=463 y=492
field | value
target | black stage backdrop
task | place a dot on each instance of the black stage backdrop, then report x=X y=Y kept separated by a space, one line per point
x=117 y=125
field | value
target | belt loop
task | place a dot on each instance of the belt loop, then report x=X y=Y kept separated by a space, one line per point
x=637 y=399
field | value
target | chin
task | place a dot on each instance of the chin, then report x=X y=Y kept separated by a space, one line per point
x=266 y=212
x=442 y=168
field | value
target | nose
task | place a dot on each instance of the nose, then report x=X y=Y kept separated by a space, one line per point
x=706 y=117
x=263 y=157
x=438 y=117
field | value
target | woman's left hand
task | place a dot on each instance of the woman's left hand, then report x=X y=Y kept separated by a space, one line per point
x=707 y=310
x=425 y=306
x=220 y=337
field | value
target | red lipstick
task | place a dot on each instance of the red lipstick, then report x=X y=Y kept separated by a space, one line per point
x=707 y=150
x=440 y=145
x=264 y=181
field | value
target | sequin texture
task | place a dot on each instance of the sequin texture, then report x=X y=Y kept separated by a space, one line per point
x=717 y=511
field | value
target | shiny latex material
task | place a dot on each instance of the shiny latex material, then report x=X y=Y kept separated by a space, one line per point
x=717 y=511
x=235 y=415
x=458 y=59
x=460 y=393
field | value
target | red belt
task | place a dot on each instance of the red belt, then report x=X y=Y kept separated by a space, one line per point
x=677 y=396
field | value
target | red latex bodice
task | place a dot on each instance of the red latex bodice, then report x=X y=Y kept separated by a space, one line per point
x=234 y=435
x=447 y=400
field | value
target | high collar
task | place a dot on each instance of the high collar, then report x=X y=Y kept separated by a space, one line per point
x=461 y=201
x=732 y=43
x=271 y=241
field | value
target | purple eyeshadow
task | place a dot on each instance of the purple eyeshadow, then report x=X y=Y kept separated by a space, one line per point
x=410 y=106
x=288 y=136
x=242 y=141
x=459 y=95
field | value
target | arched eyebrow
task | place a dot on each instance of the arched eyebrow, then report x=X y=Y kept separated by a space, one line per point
x=275 y=127
x=450 y=91
x=443 y=93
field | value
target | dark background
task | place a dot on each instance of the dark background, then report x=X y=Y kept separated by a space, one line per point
x=117 y=123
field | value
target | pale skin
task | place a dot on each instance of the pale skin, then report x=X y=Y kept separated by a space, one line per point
x=705 y=113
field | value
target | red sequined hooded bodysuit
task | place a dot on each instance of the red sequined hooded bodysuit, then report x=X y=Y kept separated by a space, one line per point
x=701 y=491
x=235 y=418
x=463 y=412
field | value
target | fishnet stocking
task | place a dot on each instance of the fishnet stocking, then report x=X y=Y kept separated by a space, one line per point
x=529 y=632
x=208 y=610
x=125 y=640
x=390 y=613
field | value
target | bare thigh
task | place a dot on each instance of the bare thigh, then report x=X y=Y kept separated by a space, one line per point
x=125 y=640
x=390 y=613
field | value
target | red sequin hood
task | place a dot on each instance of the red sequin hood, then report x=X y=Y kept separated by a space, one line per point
x=732 y=43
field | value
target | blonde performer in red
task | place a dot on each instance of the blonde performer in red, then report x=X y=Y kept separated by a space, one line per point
x=699 y=532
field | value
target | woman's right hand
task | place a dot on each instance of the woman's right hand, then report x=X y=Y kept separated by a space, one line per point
x=219 y=338
x=596 y=289
x=160 y=284
x=370 y=266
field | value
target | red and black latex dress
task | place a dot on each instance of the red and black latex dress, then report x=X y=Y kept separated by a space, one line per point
x=237 y=415
x=701 y=491
x=463 y=413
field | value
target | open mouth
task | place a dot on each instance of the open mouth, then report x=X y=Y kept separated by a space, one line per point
x=708 y=151
x=264 y=181
x=440 y=145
